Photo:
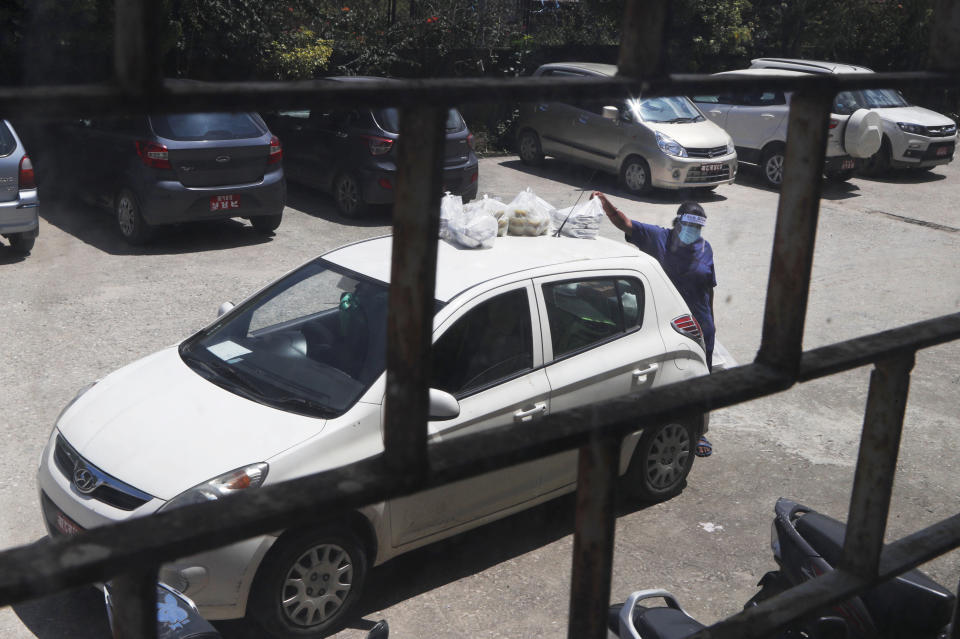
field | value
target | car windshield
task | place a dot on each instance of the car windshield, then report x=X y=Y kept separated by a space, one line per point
x=849 y=101
x=312 y=343
x=206 y=126
x=389 y=119
x=670 y=109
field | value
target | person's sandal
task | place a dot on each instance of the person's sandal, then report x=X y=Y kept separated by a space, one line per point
x=704 y=447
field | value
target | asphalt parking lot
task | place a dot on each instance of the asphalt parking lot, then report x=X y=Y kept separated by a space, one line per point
x=84 y=303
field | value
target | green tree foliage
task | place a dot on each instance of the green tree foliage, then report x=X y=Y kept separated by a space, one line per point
x=708 y=35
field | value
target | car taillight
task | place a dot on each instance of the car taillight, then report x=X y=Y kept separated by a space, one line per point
x=474 y=177
x=28 y=180
x=688 y=326
x=834 y=123
x=276 y=151
x=385 y=183
x=153 y=155
x=378 y=146
x=470 y=140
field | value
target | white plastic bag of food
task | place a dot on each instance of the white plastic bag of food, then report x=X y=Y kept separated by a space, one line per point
x=528 y=214
x=579 y=220
x=469 y=226
x=494 y=207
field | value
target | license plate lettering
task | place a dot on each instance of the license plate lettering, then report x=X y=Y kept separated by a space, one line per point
x=224 y=202
x=712 y=168
x=943 y=150
x=847 y=164
x=66 y=526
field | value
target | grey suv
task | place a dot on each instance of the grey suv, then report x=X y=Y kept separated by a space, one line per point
x=167 y=169
x=19 y=201
x=352 y=154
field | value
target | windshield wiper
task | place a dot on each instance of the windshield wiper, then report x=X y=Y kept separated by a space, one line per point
x=222 y=372
x=293 y=401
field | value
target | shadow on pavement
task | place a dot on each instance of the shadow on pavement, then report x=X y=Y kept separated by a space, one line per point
x=79 y=614
x=96 y=227
x=318 y=204
x=905 y=176
x=830 y=190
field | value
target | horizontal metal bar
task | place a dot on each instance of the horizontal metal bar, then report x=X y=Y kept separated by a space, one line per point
x=49 y=566
x=833 y=587
x=186 y=95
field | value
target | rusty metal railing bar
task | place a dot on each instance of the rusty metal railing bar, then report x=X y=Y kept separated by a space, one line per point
x=839 y=585
x=876 y=465
x=96 y=555
x=136 y=41
x=68 y=101
x=134 y=604
x=597 y=466
x=794 y=238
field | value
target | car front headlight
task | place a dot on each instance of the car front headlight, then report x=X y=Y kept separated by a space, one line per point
x=730 y=147
x=912 y=128
x=670 y=146
x=251 y=476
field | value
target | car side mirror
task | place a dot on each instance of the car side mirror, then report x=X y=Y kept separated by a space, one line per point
x=443 y=405
x=225 y=308
x=611 y=113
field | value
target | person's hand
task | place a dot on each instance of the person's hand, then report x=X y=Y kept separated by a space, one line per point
x=615 y=215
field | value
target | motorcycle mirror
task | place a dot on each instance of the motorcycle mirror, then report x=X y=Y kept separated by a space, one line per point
x=380 y=630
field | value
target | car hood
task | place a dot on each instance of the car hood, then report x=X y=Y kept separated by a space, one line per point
x=160 y=427
x=914 y=115
x=697 y=135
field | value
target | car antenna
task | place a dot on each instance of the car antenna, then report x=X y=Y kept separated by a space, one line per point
x=582 y=191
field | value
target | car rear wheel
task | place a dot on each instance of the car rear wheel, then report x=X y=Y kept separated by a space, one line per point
x=879 y=162
x=21 y=243
x=661 y=461
x=347 y=193
x=266 y=223
x=839 y=176
x=529 y=148
x=133 y=227
x=309 y=582
x=635 y=175
x=771 y=166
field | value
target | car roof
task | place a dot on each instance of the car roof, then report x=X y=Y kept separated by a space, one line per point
x=593 y=68
x=360 y=78
x=808 y=66
x=459 y=269
x=765 y=72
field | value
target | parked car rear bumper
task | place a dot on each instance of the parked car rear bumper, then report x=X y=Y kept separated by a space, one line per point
x=170 y=202
x=21 y=215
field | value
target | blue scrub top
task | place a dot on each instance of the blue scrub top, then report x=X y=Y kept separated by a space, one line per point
x=689 y=267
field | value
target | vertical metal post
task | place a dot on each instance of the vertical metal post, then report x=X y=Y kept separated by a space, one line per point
x=955 y=632
x=876 y=465
x=944 y=49
x=597 y=471
x=416 y=223
x=793 y=243
x=642 y=41
x=137 y=55
x=134 y=597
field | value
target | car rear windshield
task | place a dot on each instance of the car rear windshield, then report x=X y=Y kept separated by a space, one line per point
x=7 y=142
x=389 y=120
x=206 y=126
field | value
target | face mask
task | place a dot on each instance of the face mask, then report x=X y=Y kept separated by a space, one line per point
x=688 y=234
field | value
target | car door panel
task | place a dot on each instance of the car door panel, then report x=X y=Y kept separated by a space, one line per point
x=517 y=400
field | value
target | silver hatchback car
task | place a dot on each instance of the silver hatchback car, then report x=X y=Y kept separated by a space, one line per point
x=663 y=142
x=19 y=201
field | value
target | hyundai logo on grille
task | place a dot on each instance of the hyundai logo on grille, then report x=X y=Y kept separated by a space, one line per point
x=223 y=158
x=85 y=481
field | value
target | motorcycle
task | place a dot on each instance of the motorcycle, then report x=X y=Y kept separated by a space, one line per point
x=807 y=544
x=178 y=618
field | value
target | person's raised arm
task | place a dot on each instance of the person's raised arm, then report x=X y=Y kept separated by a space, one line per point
x=617 y=217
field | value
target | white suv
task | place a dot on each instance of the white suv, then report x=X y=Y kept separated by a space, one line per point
x=291 y=382
x=757 y=122
x=913 y=137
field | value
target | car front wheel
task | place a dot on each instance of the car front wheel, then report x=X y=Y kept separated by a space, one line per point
x=635 y=175
x=661 y=461
x=309 y=582
x=133 y=227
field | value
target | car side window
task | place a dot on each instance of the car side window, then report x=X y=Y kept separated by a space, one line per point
x=763 y=98
x=723 y=98
x=491 y=342
x=582 y=313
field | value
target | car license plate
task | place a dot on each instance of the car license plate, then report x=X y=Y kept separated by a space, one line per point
x=847 y=164
x=66 y=525
x=224 y=202
x=712 y=168
x=943 y=150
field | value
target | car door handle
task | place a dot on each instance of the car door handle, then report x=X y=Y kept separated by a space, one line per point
x=542 y=107
x=637 y=374
x=767 y=115
x=580 y=120
x=527 y=415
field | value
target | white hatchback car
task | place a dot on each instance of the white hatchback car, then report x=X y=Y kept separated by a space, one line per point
x=663 y=142
x=913 y=136
x=757 y=121
x=291 y=382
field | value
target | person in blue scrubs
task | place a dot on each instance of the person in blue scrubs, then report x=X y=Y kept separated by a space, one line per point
x=686 y=258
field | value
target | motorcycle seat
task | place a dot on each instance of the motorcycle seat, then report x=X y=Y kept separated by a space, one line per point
x=664 y=623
